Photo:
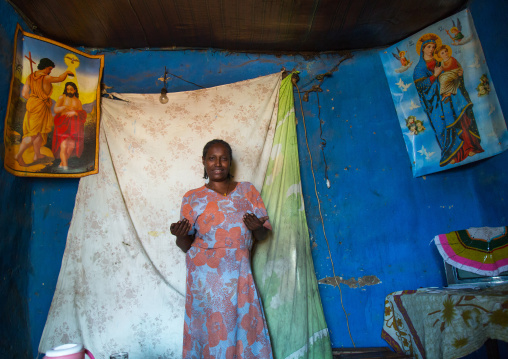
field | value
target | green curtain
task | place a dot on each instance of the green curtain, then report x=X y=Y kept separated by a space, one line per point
x=282 y=263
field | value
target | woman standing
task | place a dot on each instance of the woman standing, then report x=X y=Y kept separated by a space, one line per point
x=223 y=312
x=451 y=118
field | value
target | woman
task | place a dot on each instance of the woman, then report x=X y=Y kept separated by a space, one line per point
x=452 y=118
x=223 y=313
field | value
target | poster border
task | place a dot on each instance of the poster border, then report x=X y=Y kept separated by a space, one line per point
x=95 y=170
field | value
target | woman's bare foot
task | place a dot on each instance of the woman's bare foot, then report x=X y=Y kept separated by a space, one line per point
x=472 y=153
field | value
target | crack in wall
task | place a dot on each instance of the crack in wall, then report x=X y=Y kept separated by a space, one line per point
x=351 y=282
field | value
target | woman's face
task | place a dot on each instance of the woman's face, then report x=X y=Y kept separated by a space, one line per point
x=217 y=163
x=428 y=50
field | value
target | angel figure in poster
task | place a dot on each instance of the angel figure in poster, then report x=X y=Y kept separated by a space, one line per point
x=456 y=35
x=456 y=30
x=451 y=116
x=404 y=60
x=414 y=126
x=483 y=87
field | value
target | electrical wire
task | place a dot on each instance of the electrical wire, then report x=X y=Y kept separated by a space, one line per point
x=322 y=220
x=323 y=141
x=179 y=77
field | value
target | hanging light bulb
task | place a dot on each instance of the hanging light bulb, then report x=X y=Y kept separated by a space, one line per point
x=163 y=98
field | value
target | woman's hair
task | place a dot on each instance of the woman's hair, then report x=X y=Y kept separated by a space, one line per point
x=215 y=142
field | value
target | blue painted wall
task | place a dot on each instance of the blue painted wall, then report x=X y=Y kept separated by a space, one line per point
x=379 y=220
x=34 y=219
x=15 y=221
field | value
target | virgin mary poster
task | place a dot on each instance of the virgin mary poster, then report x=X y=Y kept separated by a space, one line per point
x=445 y=100
x=52 y=120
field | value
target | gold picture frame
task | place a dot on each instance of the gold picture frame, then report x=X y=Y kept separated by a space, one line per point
x=53 y=112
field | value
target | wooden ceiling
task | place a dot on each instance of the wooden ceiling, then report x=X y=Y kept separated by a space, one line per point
x=286 y=26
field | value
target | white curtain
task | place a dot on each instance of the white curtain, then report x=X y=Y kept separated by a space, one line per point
x=122 y=282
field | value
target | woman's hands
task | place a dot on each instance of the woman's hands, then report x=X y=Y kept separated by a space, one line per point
x=253 y=222
x=184 y=241
x=181 y=230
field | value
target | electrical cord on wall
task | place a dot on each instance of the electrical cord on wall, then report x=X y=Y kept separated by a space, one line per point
x=323 y=141
x=321 y=216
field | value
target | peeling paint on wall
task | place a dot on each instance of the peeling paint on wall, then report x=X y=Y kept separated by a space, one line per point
x=351 y=282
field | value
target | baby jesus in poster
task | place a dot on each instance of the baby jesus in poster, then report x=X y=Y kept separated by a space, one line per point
x=452 y=73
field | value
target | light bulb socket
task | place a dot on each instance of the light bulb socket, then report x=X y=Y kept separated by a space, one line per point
x=163 y=99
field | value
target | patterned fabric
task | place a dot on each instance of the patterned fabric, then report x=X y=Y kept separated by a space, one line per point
x=445 y=323
x=282 y=264
x=122 y=281
x=481 y=250
x=223 y=313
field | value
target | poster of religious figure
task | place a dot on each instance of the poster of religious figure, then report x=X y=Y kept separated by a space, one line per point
x=444 y=97
x=53 y=112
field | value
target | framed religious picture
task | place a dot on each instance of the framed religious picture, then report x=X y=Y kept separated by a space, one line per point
x=53 y=112
x=445 y=100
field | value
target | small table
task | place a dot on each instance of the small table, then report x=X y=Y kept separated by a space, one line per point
x=445 y=323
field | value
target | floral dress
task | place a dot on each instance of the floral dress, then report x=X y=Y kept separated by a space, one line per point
x=224 y=317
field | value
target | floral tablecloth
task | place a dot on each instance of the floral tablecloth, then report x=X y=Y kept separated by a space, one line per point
x=445 y=323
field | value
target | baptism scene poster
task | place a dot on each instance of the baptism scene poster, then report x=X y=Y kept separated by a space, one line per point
x=52 y=121
x=445 y=100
